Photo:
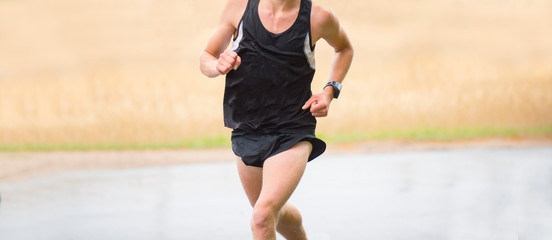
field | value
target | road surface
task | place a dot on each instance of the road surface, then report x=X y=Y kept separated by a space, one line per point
x=478 y=193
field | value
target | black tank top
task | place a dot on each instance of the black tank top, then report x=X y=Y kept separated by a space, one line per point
x=267 y=91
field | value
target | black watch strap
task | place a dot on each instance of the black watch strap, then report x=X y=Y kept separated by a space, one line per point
x=336 y=87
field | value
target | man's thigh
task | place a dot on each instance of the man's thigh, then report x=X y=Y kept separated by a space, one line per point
x=282 y=173
x=252 y=180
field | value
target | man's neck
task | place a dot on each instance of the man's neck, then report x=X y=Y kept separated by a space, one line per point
x=280 y=5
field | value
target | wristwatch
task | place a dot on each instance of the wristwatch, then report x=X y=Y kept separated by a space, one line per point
x=336 y=86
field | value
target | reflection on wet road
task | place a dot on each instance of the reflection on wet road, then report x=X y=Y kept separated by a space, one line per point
x=476 y=193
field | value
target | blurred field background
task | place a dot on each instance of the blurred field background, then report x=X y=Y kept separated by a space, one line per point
x=117 y=74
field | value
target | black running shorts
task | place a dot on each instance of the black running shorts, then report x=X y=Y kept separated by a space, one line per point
x=255 y=148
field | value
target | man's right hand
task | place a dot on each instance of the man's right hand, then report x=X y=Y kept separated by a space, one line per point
x=228 y=61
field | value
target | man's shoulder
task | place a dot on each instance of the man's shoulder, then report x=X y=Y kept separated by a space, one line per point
x=321 y=15
x=233 y=11
x=322 y=20
x=236 y=6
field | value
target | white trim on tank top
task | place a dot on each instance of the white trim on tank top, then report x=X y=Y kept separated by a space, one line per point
x=236 y=43
x=309 y=53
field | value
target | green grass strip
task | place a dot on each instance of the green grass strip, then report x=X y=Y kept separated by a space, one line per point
x=439 y=134
x=220 y=141
x=192 y=143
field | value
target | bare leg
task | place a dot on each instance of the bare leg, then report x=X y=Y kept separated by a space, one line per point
x=290 y=223
x=251 y=179
x=269 y=188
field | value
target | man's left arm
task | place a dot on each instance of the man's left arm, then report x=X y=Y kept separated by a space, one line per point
x=335 y=35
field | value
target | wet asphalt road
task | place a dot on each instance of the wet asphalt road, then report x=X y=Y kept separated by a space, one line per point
x=472 y=194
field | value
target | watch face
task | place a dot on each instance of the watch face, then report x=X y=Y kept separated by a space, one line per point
x=337 y=85
x=337 y=88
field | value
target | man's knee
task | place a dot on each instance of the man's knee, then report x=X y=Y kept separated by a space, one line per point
x=264 y=215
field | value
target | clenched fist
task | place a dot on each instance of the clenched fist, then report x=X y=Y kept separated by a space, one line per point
x=228 y=61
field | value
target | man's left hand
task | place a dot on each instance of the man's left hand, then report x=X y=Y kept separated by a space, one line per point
x=320 y=103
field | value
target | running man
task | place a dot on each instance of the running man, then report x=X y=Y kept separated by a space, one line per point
x=268 y=101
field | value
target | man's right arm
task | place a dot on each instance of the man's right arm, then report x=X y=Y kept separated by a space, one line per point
x=215 y=59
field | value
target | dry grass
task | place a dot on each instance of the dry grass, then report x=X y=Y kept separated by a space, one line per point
x=125 y=72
